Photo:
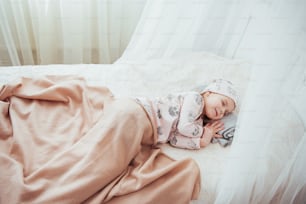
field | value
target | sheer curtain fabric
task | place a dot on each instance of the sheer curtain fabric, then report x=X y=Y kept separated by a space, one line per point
x=267 y=160
x=65 y=31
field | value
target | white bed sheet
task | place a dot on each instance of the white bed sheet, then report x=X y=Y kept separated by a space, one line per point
x=155 y=78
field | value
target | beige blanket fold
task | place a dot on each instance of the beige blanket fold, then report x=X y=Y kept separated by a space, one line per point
x=62 y=141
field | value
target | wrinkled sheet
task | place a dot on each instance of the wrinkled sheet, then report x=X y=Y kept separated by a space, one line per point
x=62 y=141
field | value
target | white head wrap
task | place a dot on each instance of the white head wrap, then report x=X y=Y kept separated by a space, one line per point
x=224 y=87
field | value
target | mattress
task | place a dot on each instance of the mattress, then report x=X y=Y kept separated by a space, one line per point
x=155 y=78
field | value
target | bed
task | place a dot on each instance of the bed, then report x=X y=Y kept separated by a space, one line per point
x=154 y=78
x=266 y=162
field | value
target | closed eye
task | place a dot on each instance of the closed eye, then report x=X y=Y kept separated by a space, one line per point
x=225 y=104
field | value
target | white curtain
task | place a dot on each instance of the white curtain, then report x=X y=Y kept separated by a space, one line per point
x=267 y=161
x=66 y=31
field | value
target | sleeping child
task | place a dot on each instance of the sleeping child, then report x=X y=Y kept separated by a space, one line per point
x=179 y=117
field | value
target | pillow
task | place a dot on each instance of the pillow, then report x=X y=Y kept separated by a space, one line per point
x=199 y=88
x=179 y=73
x=228 y=131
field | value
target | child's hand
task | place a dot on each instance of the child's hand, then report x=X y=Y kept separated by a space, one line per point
x=214 y=127
x=210 y=131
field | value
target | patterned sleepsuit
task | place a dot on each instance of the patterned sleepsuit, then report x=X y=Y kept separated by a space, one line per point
x=177 y=118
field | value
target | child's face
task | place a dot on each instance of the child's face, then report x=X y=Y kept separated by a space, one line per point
x=217 y=106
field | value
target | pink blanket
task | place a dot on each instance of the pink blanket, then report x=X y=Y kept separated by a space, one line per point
x=62 y=141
